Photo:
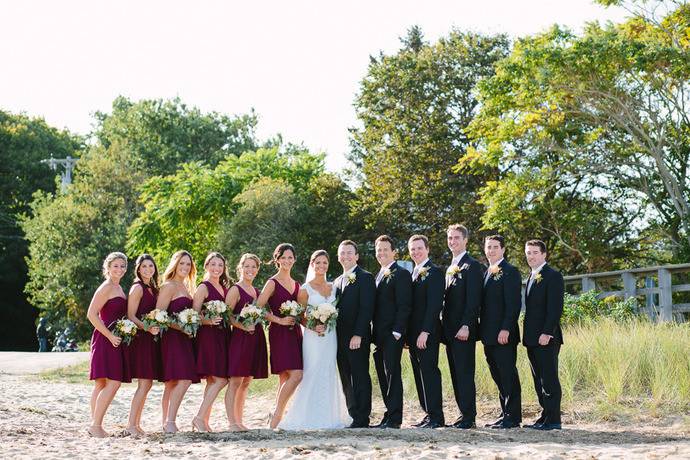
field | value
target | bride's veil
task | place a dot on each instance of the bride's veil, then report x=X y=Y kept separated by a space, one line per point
x=311 y=274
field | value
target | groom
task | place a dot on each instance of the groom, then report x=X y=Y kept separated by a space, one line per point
x=356 y=292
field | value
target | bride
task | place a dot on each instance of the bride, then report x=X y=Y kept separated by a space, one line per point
x=319 y=402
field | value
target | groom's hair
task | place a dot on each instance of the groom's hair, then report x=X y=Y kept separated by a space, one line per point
x=459 y=228
x=385 y=238
x=419 y=237
x=349 y=243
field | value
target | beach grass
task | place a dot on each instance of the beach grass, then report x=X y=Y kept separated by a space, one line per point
x=608 y=369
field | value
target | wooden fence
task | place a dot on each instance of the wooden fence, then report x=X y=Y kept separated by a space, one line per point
x=655 y=284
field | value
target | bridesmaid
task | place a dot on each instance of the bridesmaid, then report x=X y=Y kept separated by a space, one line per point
x=107 y=357
x=247 y=355
x=144 y=351
x=285 y=340
x=211 y=340
x=177 y=351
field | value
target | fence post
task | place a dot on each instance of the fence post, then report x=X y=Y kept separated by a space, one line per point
x=630 y=287
x=665 y=295
x=649 y=297
x=588 y=284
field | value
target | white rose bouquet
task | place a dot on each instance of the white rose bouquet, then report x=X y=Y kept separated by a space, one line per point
x=156 y=318
x=291 y=308
x=217 y=309
x=189 y=321
x=323 y=314
x=251 y=315
x=125 y=329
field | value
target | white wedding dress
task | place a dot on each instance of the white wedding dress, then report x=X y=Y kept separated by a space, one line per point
x=318 y=402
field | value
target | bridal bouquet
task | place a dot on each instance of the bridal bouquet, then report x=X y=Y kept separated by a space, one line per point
x=125 y=329
x=217 y=309
x=156 y=318
x=189 y=321
x=323 y=314
x=251 y=315
x=291 y=308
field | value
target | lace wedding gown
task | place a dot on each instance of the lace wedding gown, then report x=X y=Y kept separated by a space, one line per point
x=319 y=402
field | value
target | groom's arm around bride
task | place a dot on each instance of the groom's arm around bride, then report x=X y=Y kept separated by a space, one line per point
x=356 y=291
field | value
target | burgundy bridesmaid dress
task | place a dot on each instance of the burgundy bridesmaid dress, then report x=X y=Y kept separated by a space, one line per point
x=144 y=352
x=108 y=361
x=177 y=351
x=211 y=342
x=247 y=354
x=285 y=343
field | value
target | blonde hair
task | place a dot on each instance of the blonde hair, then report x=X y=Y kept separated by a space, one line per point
x=243 y=259
x=171 y=270
x=109 y=259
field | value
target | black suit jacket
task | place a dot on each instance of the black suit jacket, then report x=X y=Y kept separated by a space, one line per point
x=393 y=304
x=356 y=304
x=544 y=307
x=501 y=304
x=463 y=299
x=427 y=303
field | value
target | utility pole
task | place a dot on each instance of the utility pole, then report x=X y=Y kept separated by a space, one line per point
x=66 y=175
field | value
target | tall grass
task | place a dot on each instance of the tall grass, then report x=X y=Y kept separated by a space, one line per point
x=607 y=367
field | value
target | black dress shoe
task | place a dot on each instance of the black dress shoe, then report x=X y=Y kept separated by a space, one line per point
x=536 y=423
x=506 y=424
x=465 y=424
x=382 y=424
x=358 y=425
x=424 y=421
x=548 y=426
x=496 y=423
x=391 y=426
x=433 y=424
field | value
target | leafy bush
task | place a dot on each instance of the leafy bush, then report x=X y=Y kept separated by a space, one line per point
x=589 y=306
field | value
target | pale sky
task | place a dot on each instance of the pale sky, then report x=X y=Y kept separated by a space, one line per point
x=297 y=63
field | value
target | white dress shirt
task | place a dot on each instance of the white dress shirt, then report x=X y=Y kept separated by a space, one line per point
x=415 y=272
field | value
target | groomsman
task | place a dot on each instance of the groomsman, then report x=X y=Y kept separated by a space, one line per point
x=461 y=322
x=391 y=314
x=542 y=333
x=424 y=331
x=499 y=332
x=356 y=292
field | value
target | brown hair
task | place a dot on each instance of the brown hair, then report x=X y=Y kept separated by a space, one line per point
x=349 y=243
x=171 y=270
x=243 y=259
x=419 y=237
x=318 y=253
x=280 y=250
x=385 y=238
x=460 y=228
x=224 y=277
x=153 y=282
x=498 y=238
x=538 y=243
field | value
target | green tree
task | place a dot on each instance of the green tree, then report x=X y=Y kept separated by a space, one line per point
x=413 y=108
x=24 y=142
x=590 y=138
x=71 y=233
x=188 y=209
x=161 y=134
x=271 y=211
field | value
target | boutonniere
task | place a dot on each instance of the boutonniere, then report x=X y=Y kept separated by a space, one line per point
x=388 y=274
x=455 y=273
x=423 y=273
x=496 y=272
x=351 y=278
x=537 y=278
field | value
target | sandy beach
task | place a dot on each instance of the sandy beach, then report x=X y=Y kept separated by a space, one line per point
x=48 y=419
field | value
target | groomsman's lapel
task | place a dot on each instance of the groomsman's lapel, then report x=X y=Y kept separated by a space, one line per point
x=535 y=284
x=419 y=277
